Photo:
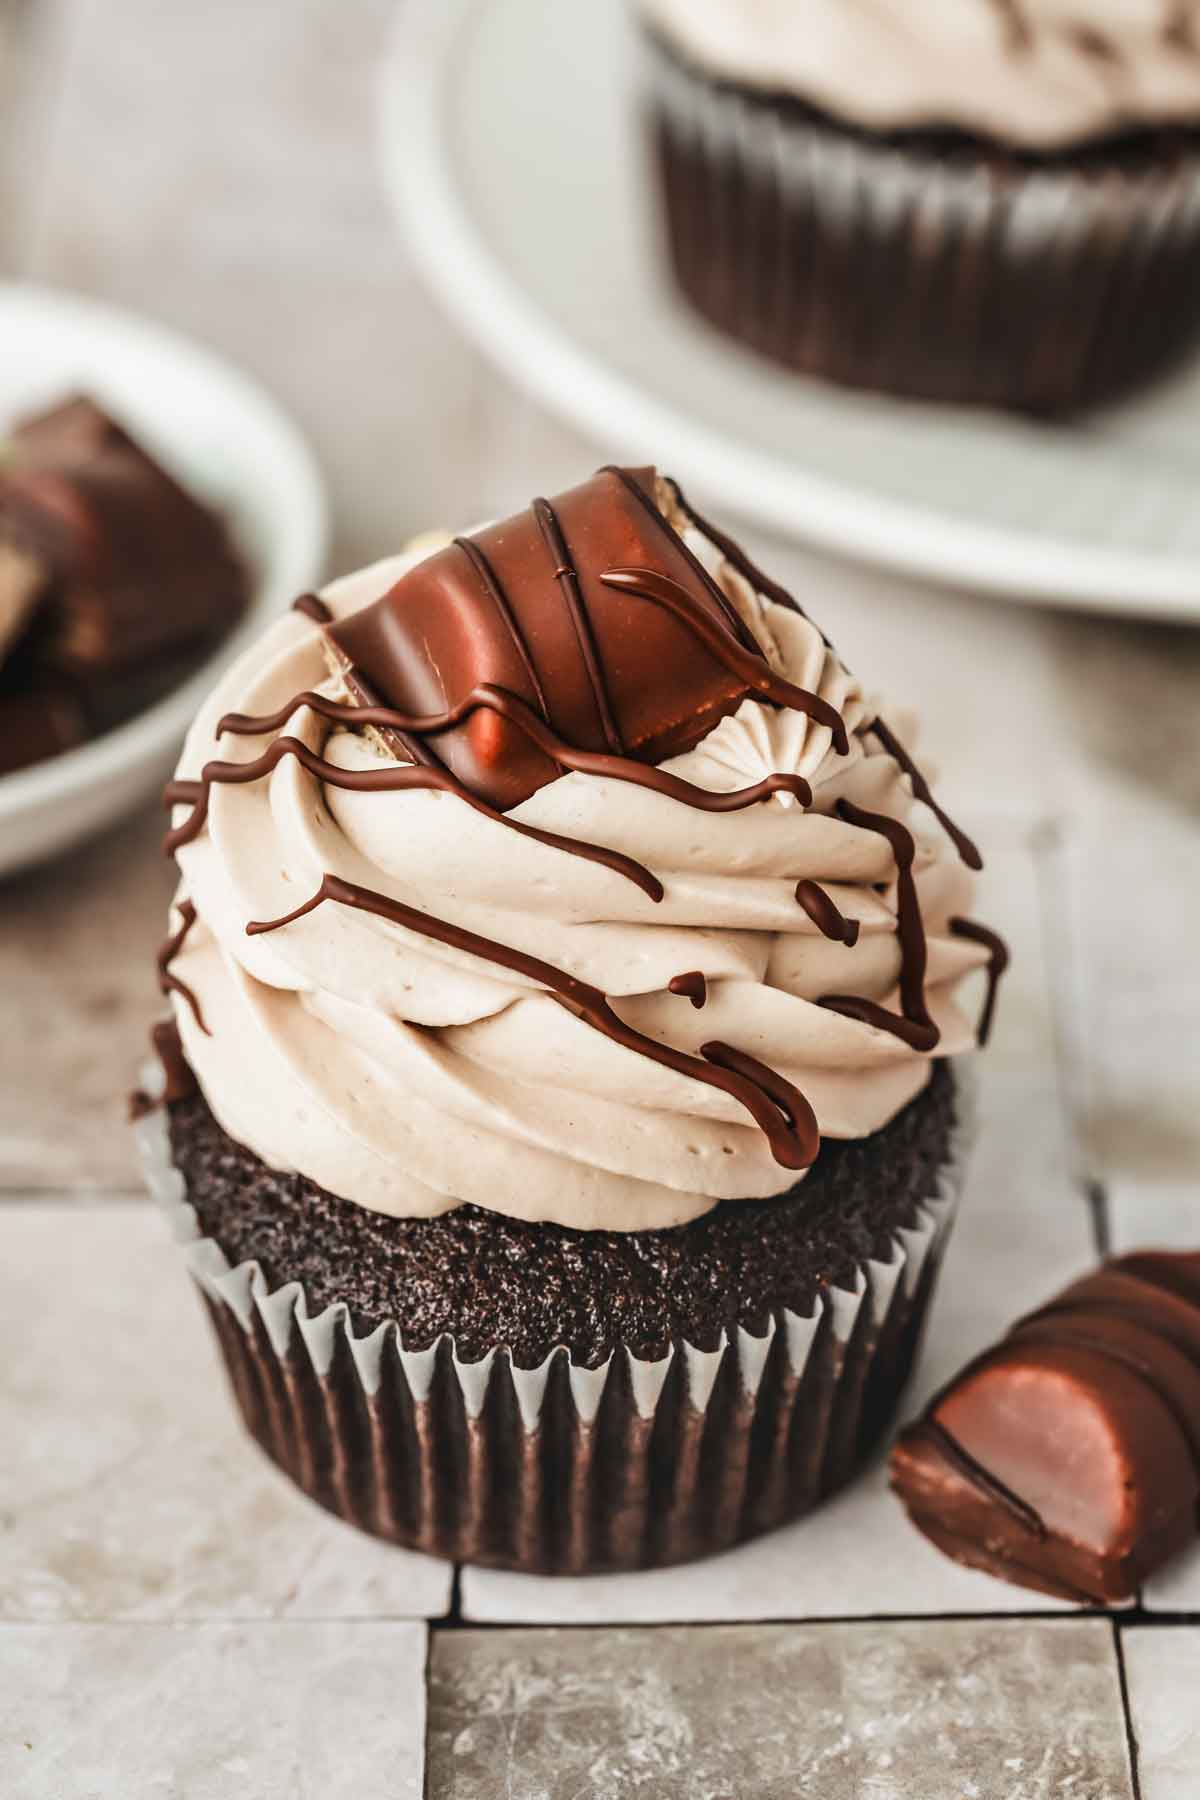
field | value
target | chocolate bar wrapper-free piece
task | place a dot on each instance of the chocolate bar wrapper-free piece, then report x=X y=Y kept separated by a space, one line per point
x=564 y=1468
x=137 y=567
x=1067 y=1459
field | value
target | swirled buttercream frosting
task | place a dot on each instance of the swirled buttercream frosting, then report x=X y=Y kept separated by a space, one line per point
x=1040 y=74
x=561 y=868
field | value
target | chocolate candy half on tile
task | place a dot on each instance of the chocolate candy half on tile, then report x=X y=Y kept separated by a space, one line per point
x=525 y=605
x=133 y=568
x=1067 y=1458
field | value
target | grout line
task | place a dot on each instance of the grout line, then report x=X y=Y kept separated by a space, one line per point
x=1133 y=1615
x=1130 y=1733
x=437 y=1622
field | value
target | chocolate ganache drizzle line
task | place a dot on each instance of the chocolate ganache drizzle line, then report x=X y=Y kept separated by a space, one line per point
x=185 y=793
x=729 y=612
x=921 y=789
x=781 y=1112
x=567 y=576
x=387 y=781
x=828 y=918
x=312 y=607
x=998 y=960
x=169 y=983
x=737 y=558
x=499 y=600
x=663 y=590
x=690 y=986
x=509 y=706
x=915 y=1027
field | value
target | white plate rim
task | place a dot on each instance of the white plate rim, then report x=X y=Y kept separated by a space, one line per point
x=301 y=561
x=498 y=314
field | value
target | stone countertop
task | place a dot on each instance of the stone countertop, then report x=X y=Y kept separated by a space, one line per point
x=173 y=1619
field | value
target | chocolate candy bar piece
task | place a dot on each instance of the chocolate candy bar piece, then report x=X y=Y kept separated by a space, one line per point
x=24 y=578
x=38 y=719
x=136 y=568
x=522 y=605
x=1067 y=1458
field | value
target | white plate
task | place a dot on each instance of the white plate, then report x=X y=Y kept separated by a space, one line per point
x=231 y=444
x=511 y=141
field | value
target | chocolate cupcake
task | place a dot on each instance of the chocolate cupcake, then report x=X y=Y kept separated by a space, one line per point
x=995 y=202
x=559 y=1104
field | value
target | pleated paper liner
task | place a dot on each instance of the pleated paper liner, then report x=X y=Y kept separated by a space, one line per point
x=946 y=272
x=562 y=1468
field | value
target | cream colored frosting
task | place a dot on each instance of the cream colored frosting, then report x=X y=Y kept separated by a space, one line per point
x=1038 y=73
x=411 y=1077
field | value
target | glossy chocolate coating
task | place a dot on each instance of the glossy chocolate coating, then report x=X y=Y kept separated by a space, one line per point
x=1067 y=1459
x=137 y=569
x=521 y=605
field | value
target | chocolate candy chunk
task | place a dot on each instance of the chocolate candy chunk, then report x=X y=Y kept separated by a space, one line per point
x=136 y=568
x=39 y=719
x=1067 y=1459
x=522 y=605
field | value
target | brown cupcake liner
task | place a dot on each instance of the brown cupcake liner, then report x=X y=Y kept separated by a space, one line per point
x=563 y=1468
x=942 y=270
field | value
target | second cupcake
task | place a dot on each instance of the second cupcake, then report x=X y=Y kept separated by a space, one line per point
x=985 y=201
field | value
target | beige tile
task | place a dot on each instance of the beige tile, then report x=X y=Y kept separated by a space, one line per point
x=984 y=1710
x=1162 y=1665
x=1134 y=910
x=272 y=1712
x=1176 y=1587
x=77 y=944
x=135 y=1494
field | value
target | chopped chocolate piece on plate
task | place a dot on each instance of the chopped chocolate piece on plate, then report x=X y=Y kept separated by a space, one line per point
x=136 y=569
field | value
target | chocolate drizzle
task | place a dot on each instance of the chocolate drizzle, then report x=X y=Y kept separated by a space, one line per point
x=169 y=983
x=779 y=1109
x=915 y=1027
x=920 y=787
x=313 y=607
x=737 y=558
x=828 y=918
x=567 y=576
x=178 y=1082
x=663 y=590
x=732 y=616
x=998 y=960
x=496 y=595
x=185 y=793
x=395 y=780
x=690 y=986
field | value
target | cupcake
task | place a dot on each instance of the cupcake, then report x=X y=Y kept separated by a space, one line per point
x=994 y=202
x=560 y=1110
